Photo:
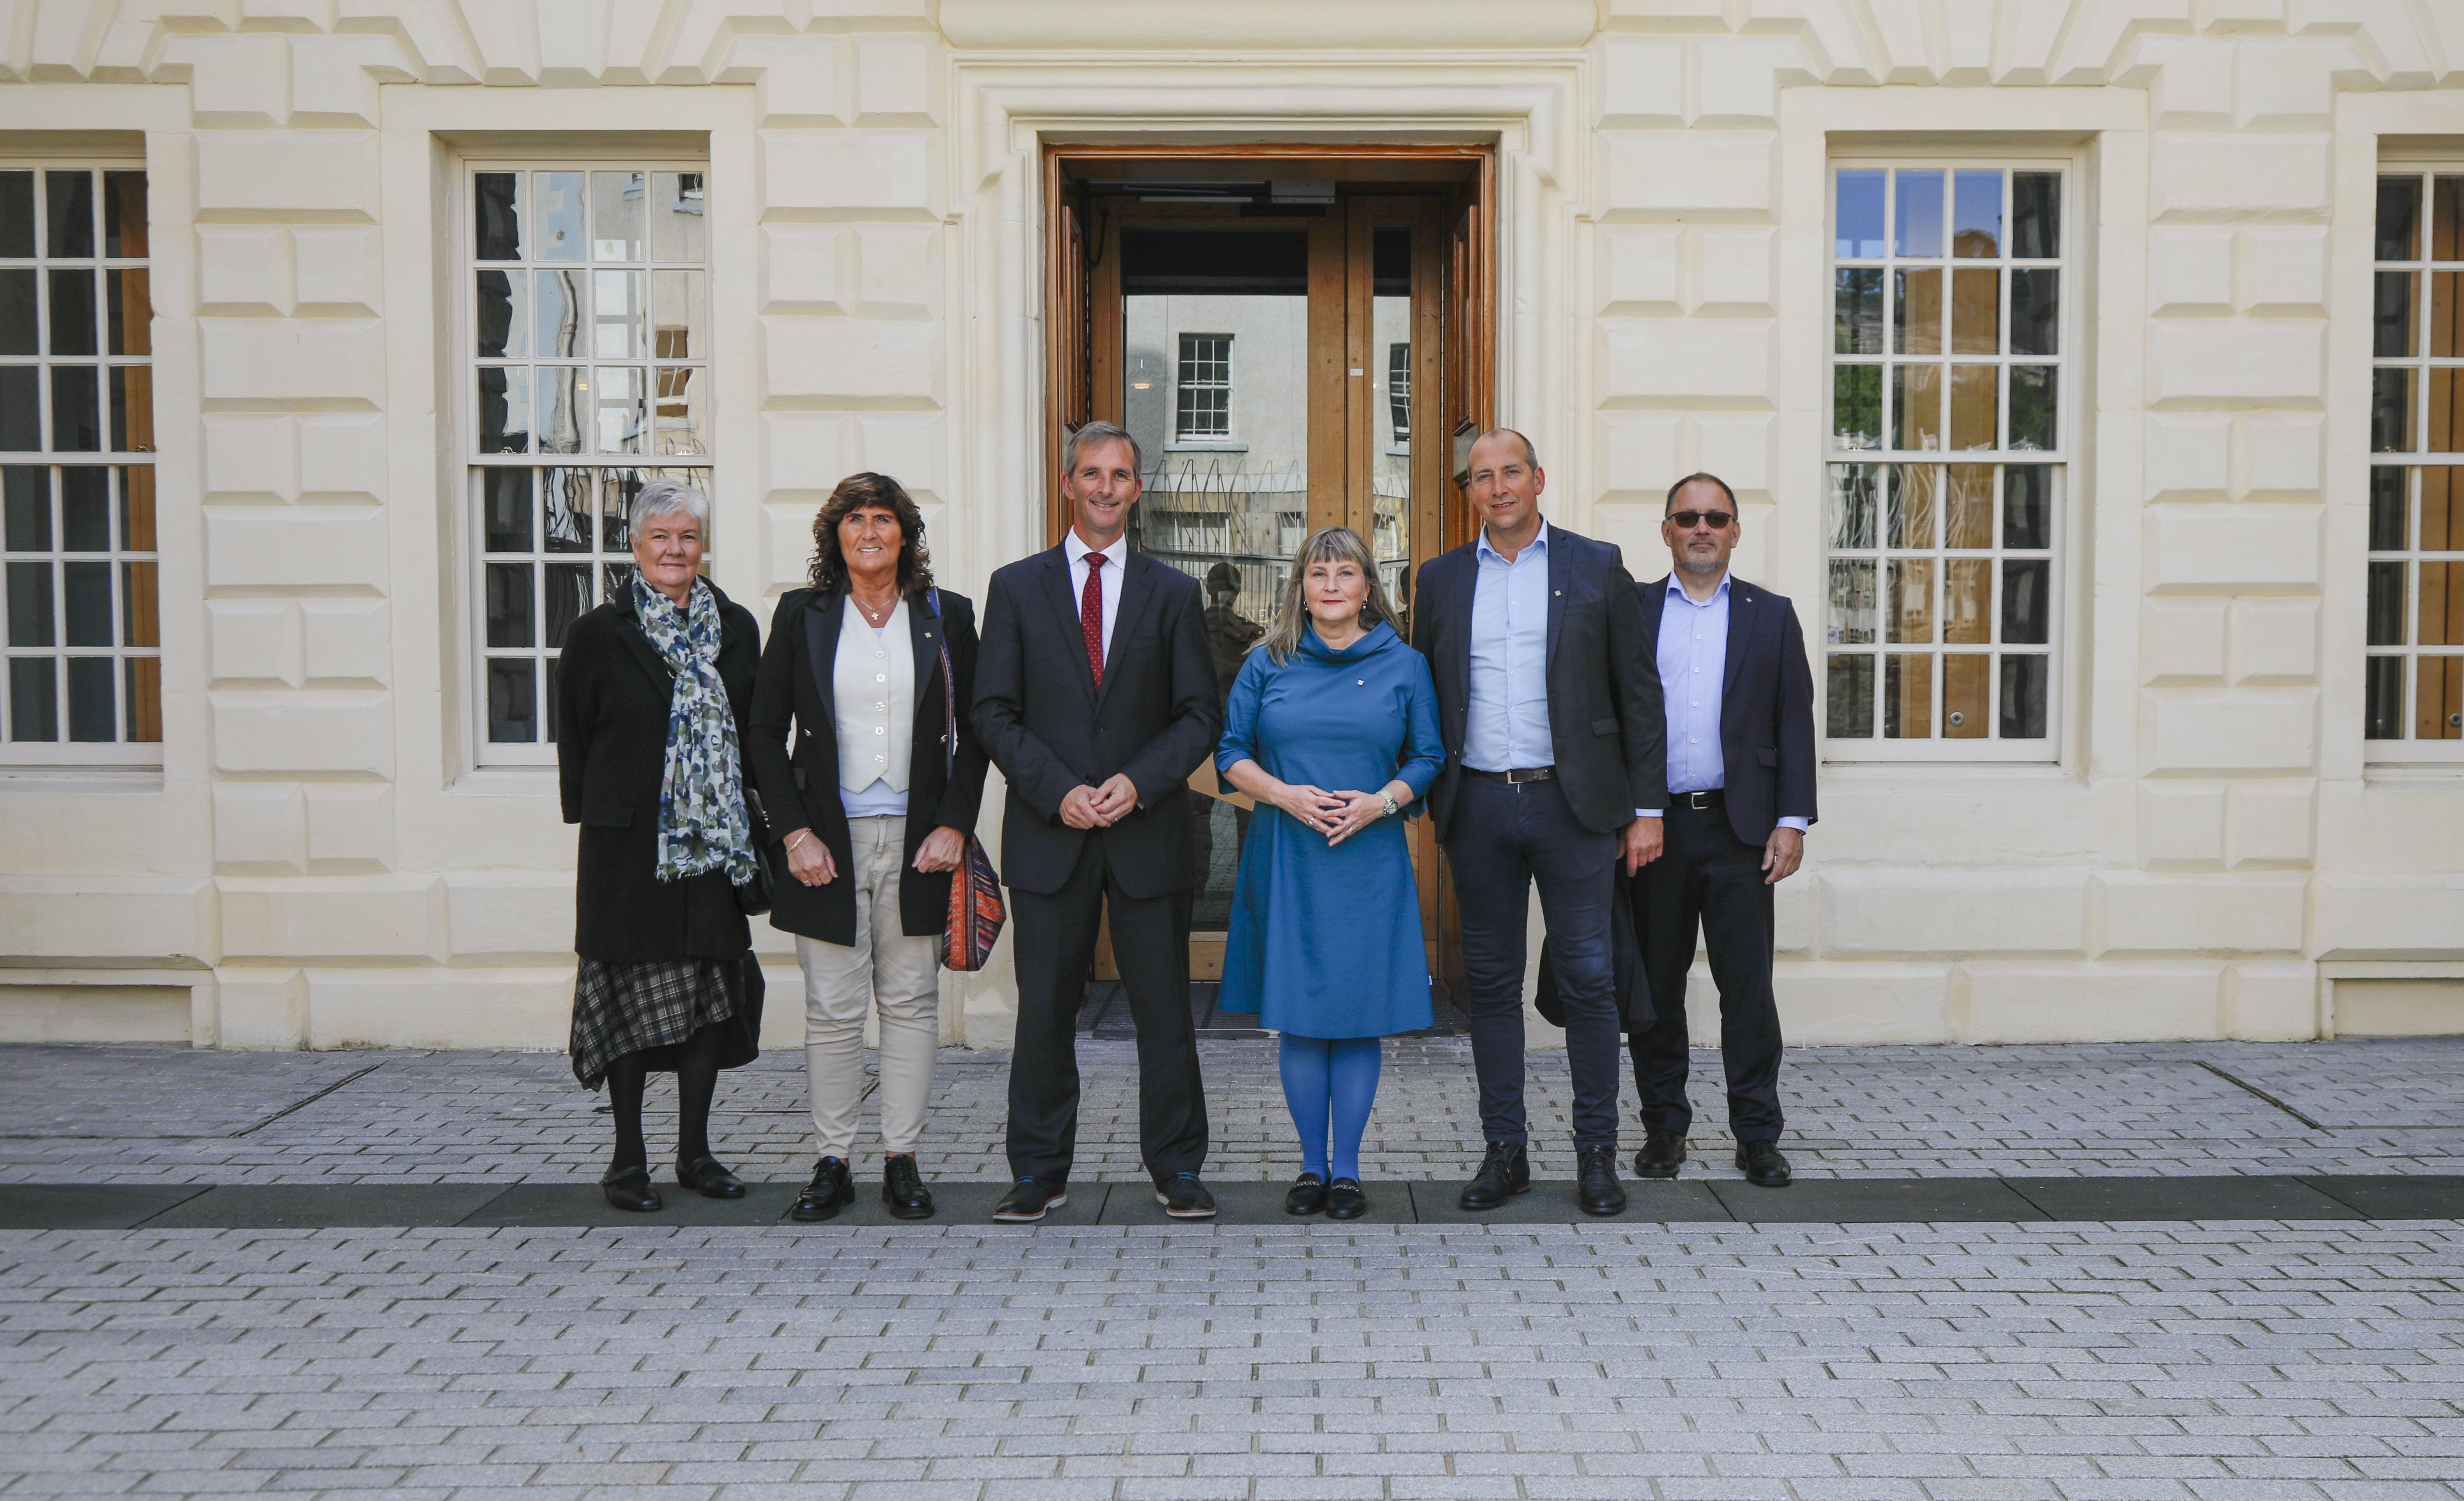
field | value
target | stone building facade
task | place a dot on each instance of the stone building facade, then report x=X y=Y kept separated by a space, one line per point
x=284 y=819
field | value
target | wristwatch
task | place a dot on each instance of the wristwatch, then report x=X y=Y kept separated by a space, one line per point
x=1392 y=808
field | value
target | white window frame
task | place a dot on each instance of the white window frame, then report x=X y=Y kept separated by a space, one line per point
x=1180 y=383
x=473 y=643
x=117 y=557
x=2060 y=649
x=2409 y=749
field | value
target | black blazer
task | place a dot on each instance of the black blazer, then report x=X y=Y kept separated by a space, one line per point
x=1766 y=706
x=1048 y=730
x=612 y=692
x=801 y=789
x=1605 y=723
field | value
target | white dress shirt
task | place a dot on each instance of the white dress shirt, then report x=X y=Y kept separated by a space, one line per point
x=1693 y=669
x=1116 y=557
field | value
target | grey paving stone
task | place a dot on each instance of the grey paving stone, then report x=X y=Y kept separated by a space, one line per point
x=582 y=1204
x=87 y=1206
x=1553 y=1202
x=265 y=1206
x=2387 y=1196
x=1908 y=1201
x=2182 y=1196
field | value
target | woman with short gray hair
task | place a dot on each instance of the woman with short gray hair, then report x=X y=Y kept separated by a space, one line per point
x=653 y=694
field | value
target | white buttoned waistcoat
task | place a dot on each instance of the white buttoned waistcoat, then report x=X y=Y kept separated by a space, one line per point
x=872 y=698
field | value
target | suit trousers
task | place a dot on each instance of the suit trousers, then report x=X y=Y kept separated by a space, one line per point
x=1710 y=878
x=1053 y=935
x=1504 y=840
x=886 y=969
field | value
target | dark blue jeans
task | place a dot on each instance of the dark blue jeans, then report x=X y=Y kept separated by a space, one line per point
x=1505 y=839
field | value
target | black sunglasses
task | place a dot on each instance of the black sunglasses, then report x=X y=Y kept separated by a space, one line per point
x=1687 y=521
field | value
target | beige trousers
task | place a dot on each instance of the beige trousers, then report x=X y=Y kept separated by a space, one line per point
x=885 y=968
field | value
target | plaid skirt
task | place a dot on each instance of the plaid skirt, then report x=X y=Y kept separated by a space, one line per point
x=643 y=1006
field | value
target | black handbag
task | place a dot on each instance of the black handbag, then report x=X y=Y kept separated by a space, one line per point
x=753 y=896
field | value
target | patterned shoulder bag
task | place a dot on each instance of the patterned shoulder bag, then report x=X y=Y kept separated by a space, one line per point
x=977 y=910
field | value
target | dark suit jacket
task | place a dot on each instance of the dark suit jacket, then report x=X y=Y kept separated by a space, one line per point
x=1604 y=717
x=1048 y=730
x=1766 y=706
x=612 y=692
x=801 y=789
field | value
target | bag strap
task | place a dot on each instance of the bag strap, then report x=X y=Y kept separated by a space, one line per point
x=949 y=690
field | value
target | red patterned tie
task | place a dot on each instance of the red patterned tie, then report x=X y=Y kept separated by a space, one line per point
x=1091 y=615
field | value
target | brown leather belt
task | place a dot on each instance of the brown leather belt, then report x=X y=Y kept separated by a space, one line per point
x=1515 y=778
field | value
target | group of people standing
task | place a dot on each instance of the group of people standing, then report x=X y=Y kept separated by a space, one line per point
x=1642 y=754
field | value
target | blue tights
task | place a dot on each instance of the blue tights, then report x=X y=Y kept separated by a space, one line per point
x=1326 y=1077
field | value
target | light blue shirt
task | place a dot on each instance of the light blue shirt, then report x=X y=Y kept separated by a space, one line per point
x=1506 y=726
x=1693 y=665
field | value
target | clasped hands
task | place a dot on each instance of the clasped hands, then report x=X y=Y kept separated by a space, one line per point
x=1337 y=815
x=1100 y=806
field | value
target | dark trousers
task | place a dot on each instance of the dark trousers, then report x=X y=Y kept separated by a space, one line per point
x=1708 y=878
x=1505 y=840
x=1054 y=939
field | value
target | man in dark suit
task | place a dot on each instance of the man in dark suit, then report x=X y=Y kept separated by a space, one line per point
x=1740 y=705
x=1095 y=697
x=1551 y=722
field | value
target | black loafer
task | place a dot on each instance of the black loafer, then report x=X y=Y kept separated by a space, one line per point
x=829 y=1192
x=1344 y=1200
x=1506 y=1171
x=629 y=1188
x=1307 y=1195
x=705 y=1176
x=1028 y=1199
x=903 y=1190
x=1596 y=1189
x=1763 y=1165
x=1184 y=1198
x=1662 y=1153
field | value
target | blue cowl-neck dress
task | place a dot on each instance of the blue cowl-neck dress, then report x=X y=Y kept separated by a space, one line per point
x=1325 y=940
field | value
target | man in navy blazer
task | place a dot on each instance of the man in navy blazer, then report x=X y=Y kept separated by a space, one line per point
x=1552 y=724
x=1739 y=698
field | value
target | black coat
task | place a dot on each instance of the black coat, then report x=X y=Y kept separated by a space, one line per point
x=801 y=789
x=612 y=694
x=1048 y=730
x=1605 y=724
x=1766 y=707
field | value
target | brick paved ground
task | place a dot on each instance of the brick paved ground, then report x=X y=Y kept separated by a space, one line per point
x=133 y=1114
x=2242 y=1362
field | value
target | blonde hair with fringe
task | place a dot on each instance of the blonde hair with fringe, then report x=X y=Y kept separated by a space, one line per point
x=1326 y=544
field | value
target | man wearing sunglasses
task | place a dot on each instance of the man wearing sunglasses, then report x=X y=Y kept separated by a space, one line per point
x=1739 y=698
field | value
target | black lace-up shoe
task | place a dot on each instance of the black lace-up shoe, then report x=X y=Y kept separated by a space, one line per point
x=1763 y=1165
x=1596 y=1189
x=1184 y=1198
x=1506 y=1171
x=903 y=1190
x=829 y=1192
x=1028 y=1199
x=1662 y=1153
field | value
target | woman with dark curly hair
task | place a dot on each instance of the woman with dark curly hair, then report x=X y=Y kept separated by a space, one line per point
x=862 y=678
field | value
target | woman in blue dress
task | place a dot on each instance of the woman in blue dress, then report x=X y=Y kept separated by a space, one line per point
x=1333 y=727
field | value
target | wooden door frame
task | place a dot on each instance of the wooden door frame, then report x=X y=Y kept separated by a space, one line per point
x=1453 y=335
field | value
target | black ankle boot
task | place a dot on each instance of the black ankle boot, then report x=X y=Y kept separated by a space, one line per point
x=1506 y=1171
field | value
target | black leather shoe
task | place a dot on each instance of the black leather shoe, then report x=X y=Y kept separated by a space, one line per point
x=1506 y=1171
x=1344 y=1200
x=903 y=1190
x=1028 y=1199
x=705 y=1176
x=829 y=1192
x=1596 y=1189
x=1184 y=1198
x=1307 y=1195
x=1662 y=1153
x=1763 y=1165
x=629 y=1188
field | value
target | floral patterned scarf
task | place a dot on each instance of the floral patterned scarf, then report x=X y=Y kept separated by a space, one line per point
x=702 y=826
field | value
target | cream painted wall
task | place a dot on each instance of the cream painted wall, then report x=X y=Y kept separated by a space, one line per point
x=318 y=862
